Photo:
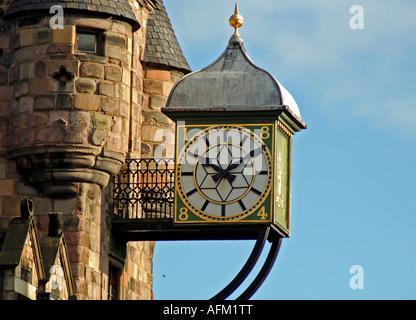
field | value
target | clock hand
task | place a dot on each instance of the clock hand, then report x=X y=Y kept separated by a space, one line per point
x=223 y=174
x=254 y=153
x=251 y=154
x=205 y=162
x=231 y=178
x=215 y=167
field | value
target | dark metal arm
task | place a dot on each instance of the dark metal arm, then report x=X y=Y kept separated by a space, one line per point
x=249 y=265
x=268 y=264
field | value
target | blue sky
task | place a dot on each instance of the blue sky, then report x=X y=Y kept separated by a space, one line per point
x=353 y=171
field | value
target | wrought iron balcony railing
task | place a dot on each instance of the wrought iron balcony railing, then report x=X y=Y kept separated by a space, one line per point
x=144 y=189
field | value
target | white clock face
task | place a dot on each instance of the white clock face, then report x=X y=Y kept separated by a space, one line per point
x=224 y=173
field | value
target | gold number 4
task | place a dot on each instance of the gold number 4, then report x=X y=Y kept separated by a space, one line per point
x=262 y=213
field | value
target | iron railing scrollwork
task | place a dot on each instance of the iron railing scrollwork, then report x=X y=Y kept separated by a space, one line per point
x=144 y=189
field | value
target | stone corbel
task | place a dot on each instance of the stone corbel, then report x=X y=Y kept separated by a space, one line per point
x=58 y=170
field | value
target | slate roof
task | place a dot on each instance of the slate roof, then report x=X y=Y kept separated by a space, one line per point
x=120 y=8
x=162 y=46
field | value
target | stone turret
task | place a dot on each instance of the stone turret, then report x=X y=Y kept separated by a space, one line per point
x=70 y=109
x=73 y=103
x=164 y=64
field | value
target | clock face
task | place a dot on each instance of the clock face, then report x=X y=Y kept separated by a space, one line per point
x=224 y=173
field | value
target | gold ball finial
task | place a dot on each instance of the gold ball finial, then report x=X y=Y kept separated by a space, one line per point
x=236 y=21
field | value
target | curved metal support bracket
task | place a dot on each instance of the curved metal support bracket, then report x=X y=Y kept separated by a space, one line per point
x=268 y=264
x=248 y=267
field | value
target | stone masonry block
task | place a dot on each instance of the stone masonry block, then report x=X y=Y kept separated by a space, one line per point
x=91 y=70
x=44 y=102
x=26 y=70
x=6 y=59
x=117 y=125
x=38 y=118
x=20 y=120
x=50 y=134
x=21 y=89
x=90 y=22
x=6 y=187
x=149 y=133
x=123 y=92
x=113 y=52
x=27 y=136
x=65 y=101
x=39 y=85
x=60 y=48
x=65 y=35
x=157 y=102
x=40 y=69
x=4 y=78
x=116 y=142
x=42 y=36
x=76 y=135
x=158 y=74
x=98 y=137
x=26 y=37
x=28 y=54
x=5 y=93
x=4 y=41
x=100 y=120
x=152 y=86
x=3 y=171
x=85 y=85
x=87 y=101
x=126 y=77
x=113 y=73
x=166 y=88
x=80 y=118
x=107 y=89
x=110 y=105
x=26 y=104
x=124 y=109
x=114 y=40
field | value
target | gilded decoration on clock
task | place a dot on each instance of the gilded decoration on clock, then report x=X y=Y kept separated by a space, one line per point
x=224 y=172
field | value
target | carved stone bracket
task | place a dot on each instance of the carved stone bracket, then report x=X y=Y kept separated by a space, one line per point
x=58 y=170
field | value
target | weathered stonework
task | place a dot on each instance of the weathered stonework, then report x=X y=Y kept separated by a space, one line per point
x=69 y=119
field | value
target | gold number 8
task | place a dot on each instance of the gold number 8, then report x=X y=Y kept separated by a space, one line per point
x=183 y=214
x=265 y=133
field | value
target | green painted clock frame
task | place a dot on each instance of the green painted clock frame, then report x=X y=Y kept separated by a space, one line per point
x=273 y=127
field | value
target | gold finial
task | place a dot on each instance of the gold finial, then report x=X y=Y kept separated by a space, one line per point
x=236 y=21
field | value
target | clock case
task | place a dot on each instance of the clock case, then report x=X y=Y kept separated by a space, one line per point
x=285 y=124
x=234 y=91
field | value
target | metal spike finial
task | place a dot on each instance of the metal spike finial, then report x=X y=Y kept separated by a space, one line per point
x=236 y=21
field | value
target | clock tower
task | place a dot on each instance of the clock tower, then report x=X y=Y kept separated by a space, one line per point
x=234 y=128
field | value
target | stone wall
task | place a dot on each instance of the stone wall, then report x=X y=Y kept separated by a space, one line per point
x=67 y=122
x=158 y=138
